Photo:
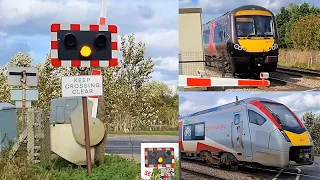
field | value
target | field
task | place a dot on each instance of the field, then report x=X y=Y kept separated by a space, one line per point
x=300 y=59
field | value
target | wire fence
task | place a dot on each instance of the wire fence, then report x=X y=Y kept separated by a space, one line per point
x=33 y=135
x=190 y=62
x=302 y=59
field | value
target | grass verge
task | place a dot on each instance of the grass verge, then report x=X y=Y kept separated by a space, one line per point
x=172 y=133
x=115 y=168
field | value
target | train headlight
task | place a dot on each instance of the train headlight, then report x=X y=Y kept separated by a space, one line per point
x=275 y=46
x=237 y=47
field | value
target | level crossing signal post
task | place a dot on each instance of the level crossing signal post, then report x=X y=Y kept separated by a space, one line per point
x=84 y=46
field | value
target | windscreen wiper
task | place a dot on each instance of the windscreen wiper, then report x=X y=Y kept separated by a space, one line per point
x=277 y=117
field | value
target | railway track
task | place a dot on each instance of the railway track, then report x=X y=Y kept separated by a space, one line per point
x=204 y=171
x=284 y=79
x=299 y=72
x=187 y=174
x=217 y=172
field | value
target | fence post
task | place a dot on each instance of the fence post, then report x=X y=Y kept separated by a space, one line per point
x=30 y=135
x=45 y=146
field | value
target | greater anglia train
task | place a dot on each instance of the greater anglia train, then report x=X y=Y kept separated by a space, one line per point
x=253 y=131
x=246 y=38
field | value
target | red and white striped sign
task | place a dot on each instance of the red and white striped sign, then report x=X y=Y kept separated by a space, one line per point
x=197 y=81
x=56 y=62
x=146 y=157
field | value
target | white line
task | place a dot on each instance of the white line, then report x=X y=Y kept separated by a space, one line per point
x=277 y=175
x=298 y=175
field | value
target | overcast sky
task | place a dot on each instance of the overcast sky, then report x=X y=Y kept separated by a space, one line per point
x=214 y=8
x=299 y=102
x=25 y=27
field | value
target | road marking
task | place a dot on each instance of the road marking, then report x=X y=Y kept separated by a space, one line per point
x=277 y=175
x=298 y=175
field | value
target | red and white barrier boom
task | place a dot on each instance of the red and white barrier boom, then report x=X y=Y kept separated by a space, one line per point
x=97 y=70
x=196 y=81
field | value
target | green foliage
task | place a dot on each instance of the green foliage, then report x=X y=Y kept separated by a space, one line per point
x=312 y=123
x=131 y=102
x=305 y=34
x=290 y=23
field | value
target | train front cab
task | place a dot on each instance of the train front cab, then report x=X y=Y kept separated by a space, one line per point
x=288 y=141
x=255 y=44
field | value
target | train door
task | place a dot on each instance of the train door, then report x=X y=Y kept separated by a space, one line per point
x=240 y=135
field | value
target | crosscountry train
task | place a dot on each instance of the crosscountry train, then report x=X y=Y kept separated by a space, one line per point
x=246 y=38
x=250 y=132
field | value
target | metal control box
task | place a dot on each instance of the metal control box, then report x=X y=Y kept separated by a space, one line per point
x=61 y=109
x=8 y=124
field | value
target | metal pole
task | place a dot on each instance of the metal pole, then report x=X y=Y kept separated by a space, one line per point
x=86 y=133
x=86 y=130
x=24 y=95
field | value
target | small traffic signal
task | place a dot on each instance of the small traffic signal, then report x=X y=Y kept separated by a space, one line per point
x=78 y=45
x=159 y=157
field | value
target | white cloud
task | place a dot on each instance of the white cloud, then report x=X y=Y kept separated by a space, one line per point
x=15 y=13
x=189 y=107
x=185 y=3
x=301 y=101
x=223 y=101
x=2 y=34
x=159 y=38
x=157 y=75
x=166 y=63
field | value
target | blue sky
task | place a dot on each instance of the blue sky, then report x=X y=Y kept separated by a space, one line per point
x=299 y=102
x=25 y=27
x=214 y=8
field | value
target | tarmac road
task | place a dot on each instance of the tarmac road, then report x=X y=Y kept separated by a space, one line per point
x=310 y=172
x=121 y=144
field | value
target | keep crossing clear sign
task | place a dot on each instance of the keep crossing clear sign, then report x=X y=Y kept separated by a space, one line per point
x=73 y=86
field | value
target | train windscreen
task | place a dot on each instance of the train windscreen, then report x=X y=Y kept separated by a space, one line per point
x=284 y=116
x=254 y=26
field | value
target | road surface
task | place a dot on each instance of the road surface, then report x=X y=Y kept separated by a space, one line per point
x=310 y=172
x=126 y=145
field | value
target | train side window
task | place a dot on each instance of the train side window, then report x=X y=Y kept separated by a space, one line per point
x=199 y=131
x=206 y=36
x=187 y=132
x=236 y=119
x=220 y=36
x=256 y=118
x=216 y=33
